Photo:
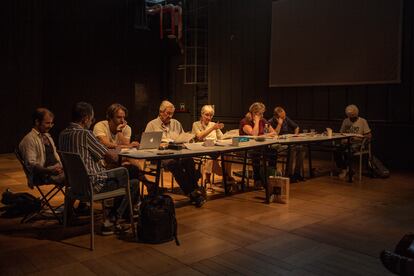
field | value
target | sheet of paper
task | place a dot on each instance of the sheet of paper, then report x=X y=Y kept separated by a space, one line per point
x=230 y=134
x=195 y=146
x=227 y=142
x=184 y=137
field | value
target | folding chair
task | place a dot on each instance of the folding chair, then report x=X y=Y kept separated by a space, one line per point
x=45 y=197
x=80 y=187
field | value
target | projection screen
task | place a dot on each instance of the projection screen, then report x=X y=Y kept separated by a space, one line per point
x=335 y=42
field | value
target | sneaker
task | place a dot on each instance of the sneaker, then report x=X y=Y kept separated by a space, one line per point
x=299 y=177
x=107 y=229
x=342 y=174
x=199 y=201
x=197 y=198
x=394 y=262
x=122 y=228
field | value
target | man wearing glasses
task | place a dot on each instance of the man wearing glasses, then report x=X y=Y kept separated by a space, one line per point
x=183 y=169
x=39 y=151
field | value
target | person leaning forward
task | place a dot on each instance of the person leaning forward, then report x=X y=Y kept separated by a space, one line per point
x=77 y=138
x=115 y=133
x=183 y=169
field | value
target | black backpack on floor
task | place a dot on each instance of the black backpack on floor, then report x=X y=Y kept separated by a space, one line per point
x=377 y=168
x=157 y=222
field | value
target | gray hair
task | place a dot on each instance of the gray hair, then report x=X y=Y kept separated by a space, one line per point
x=351 y=110
x=207 y=109
x=165 y=104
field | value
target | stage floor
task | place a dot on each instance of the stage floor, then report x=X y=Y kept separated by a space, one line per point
x=330 y=227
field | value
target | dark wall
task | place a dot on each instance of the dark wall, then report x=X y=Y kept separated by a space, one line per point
x=60 y=52
x=239 y=41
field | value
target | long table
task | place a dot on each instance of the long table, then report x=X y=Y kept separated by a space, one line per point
x=224 y=147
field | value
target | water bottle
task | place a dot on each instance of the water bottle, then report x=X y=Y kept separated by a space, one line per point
x=266 y=129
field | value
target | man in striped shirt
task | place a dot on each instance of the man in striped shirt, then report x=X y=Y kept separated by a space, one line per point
x=77 y=138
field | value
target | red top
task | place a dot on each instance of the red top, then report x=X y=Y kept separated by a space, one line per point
x=244 y=122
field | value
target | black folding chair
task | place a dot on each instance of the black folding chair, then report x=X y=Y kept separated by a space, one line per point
x=45 y=197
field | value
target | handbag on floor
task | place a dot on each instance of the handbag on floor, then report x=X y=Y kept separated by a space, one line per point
x=377 y=168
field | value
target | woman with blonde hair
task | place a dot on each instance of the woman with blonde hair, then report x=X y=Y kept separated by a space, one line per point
x=206 y=129
x=255 y=125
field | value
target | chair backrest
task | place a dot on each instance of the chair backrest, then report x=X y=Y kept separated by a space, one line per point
x=26 y=170
x=76 y=175
x=365 y=147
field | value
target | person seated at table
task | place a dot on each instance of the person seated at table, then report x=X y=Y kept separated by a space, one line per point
x=115 y=133
x=206 y=129
x=255 y=125
x=77 y=138
x=284 y=125
x=351 y=124
x=183 y=169
x=39 y=151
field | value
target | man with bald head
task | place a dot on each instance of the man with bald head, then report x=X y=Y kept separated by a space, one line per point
x=39 y=151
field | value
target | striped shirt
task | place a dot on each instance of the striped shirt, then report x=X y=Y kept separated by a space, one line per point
x=76 y=139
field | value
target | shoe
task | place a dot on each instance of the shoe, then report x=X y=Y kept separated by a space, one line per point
x=199 y=201
x=122 y=228
x=299 y=177
x=107 y=229
x=293 y=179
x=197 y=198
x=394 y=262
x=342 y=174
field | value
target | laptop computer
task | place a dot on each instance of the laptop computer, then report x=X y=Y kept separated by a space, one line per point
x=150 y=140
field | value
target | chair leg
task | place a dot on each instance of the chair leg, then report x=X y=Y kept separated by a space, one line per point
x=360 y=167
x=162 y=177
x=92 y=241
x=131 y=212
x=66 y=210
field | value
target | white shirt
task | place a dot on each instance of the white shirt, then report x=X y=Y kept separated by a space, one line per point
x=170 y=131
x=101 y=129
x=33 y=150
x=199 y=127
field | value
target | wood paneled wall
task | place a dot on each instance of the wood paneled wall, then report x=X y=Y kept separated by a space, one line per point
x=239 y=41
x=60 y=52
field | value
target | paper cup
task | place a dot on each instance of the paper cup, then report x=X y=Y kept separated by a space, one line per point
x=329 y=131
x=209 y=142
x=235 y=141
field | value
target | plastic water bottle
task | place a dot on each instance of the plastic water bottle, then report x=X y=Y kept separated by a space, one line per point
x=266 y=129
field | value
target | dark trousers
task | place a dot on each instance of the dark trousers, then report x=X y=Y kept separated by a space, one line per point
x=184 y=172
x=257 y=161
x=118 y=179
